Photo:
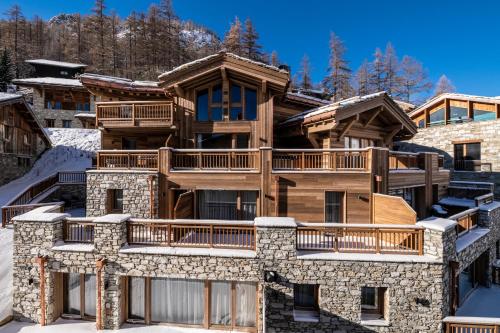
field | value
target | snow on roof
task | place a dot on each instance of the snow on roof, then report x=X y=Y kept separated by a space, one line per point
x=85 y=115
x=49 y=81
x=213 y=56
x=407 y=107
x=182 y=251
x=120 y=80
x=470 y=238
x=7 y=97
x=463 y=97
x=308 y=97
x=437 y=223
x=371 y=257
x=333 y=106
x=55 y=63
x=459 y=202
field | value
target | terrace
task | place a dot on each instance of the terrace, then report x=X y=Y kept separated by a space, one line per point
x=149 y=114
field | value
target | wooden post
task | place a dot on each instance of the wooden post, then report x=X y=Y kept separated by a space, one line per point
x=41 y=262
x=100 y=266
x=277 y=196
x=377 y=240
x=421 y=242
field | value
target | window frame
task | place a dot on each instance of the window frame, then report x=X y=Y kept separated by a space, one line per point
x=368 y=310
x=315 y=307
x=342 y=205
x=111 y=201
x=464 y=151
x=242 y=104
x=82 y=297
x=210 y=104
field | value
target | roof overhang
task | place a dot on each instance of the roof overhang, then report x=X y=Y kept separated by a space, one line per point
x=99 y=84
x=39 y=84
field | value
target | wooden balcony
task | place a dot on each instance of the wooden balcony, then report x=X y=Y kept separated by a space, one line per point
x=403 y=160
x=471 y=325
x=466 y=220
x=320 y=159
x=78 y=231
x=216 y=159
x=127 y=159
x=154 y=114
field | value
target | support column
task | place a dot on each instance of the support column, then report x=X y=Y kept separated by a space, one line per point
x=100 y=267
x=41 y=261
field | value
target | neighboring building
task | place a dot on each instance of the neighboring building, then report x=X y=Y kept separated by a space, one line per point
x=58 y=96
x=21 y=137
x=465 y=130
x=261 y=209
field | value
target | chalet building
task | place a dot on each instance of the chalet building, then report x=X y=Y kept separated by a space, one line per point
x=22 y=139
x=262 y=209
x=464 y=129
x=59 y=98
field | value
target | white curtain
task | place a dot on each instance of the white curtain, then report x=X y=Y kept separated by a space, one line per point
x=246 y=293
x=90 y=295
x=136 y=298
x=177 y=301
x=220 y=303
x=72 y=294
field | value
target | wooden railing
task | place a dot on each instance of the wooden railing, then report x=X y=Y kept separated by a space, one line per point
x=72 y=177
x=9 y=212
x=320 y=159
x=215 y=159
x=400 y=160
x=134 y=113
x=360 y=238
x=466 y=220
x=78 y=231
x=127 y=159
x=471 y=325
x=191 y=234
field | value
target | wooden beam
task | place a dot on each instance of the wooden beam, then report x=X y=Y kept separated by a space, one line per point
x=391 y=134
x=347 y=127
x=313 y=139
x=99 y=266
x=223 y=73
x=41 y=262
x=373 y=116
x=178 y=90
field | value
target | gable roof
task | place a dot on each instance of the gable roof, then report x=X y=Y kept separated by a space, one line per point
x=455 y=96
x=27 y=112
x=120 y=83
x=47 y=62
x=305 y=99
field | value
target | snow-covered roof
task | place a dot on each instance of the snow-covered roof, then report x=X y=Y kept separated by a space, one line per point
x=407 y=107
x=315 y=100
x=85 y=115
x=216 y=55
x=119 y=80
x=7 y=97
x=335 y=106
x=55 y=63
x=49 y=81
x=456 y=96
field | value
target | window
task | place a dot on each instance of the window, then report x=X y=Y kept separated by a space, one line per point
x=421 y=123
x=458 y=114
x=227 y=205
x=483 y=112
x=467 y=156
x=66 y=123
x=50 y=122
x=222 y=141
x=79 y=295
x=334 y=204
x=129 y=143
x=436 y=117
x=243 y=104
x=115 y=201
x=209 y=104
x=357 y=143
x=373 y=301
x=23 y=162
x=136 y=298
x=407 y=193
x=305 y=302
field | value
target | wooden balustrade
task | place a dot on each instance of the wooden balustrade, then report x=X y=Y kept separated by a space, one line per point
x=471 y=325
x=319 y=159
x=400 y=160
x=134 y=113
x=9 y=212
x=206 y=159
x=174 y=234
x=127 y=159
x=75 y=231
x=361 y=239
x=72 y=177
x=466 y=220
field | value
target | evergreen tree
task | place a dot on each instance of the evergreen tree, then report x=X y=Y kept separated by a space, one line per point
x=7 y=70
x=363 y=79
x=305 y=74
x=443 y=85
x=249 y=42
x=413 y=80
x=337 y=82
x=391 y=69
x=232 y=40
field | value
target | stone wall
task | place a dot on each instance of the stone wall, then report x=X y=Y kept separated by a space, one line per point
x=407 y=279
x=136 y=191
x=440 y=139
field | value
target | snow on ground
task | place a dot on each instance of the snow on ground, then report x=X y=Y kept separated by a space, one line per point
x=6 y=237
x=75 y=326
x=72 y=151
x=483 y=302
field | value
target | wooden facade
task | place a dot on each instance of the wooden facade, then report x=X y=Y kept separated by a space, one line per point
x=232 y=126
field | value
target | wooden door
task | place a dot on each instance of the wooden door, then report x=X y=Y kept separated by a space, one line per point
x=184 y=207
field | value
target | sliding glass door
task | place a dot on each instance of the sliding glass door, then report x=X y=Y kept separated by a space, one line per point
x=227 y=205
x=79 y=295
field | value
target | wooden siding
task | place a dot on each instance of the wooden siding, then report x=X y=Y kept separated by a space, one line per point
x=392 y=210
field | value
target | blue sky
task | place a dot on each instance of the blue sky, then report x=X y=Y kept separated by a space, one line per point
x=457 y=38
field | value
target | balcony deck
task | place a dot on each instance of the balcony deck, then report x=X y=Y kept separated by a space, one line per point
x=135 y=114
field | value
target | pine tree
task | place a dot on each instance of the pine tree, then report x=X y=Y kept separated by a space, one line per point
x=443 y=85
x=337 y=82
x=249 y=42
x=413 y=80
x=363 y=86
x=232 y=40
x=391 y=69
x=7 y=70
x=377 y=73
x=305 y=74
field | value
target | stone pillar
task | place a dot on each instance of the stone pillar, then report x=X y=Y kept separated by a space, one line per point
x=439 y=238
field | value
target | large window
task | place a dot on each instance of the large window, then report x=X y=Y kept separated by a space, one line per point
x=243 y=103
x=458 y=114
x=373 y=303
x=436 y=117
x=229 y=305
x=483 y=112
x=468 y=156
x=334 y=207
x=209 y=104
x=79 y=295
x=227 y=205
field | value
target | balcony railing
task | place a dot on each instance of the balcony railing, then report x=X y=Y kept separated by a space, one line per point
x=360 y=238
x=237 y=235
x=127 y=159
x=9 y=212
x=129 y=114
x=400 y=160
x=320 y=159
x=471 y=325
x=466 y=220
x=215 y=159
x=78 y=231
